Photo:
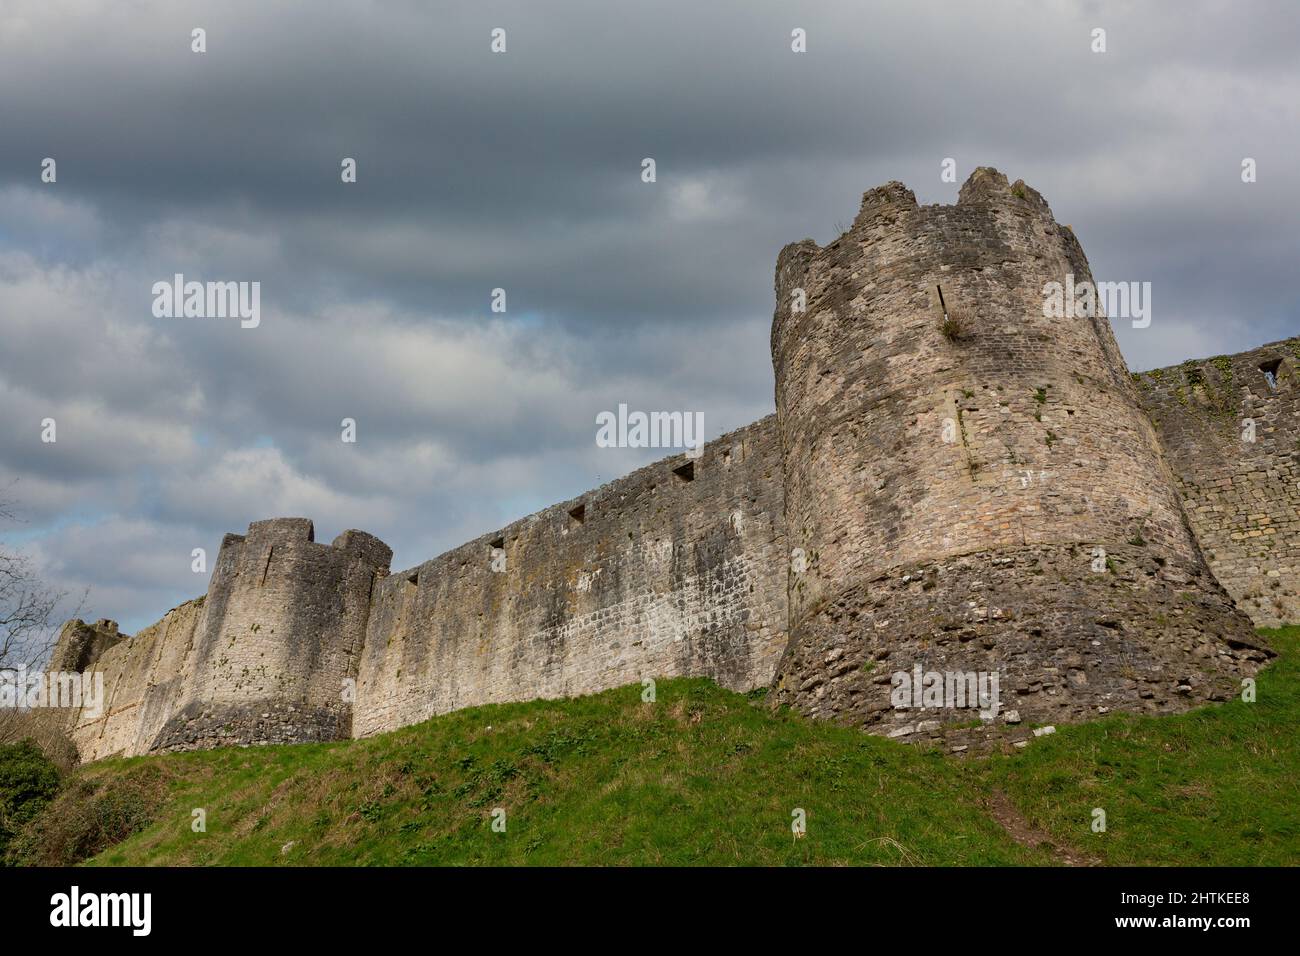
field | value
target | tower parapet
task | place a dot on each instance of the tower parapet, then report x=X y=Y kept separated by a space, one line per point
x=972 y=484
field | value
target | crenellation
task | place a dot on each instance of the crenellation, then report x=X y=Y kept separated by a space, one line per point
x=281 y=531
x=368 y=549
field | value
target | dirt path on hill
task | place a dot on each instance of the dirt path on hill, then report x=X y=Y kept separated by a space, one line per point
x=1026 y=834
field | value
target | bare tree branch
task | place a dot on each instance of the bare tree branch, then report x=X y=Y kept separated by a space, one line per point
x=28 y=626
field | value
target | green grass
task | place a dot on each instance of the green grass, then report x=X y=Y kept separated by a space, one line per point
x=705 y=776
x=1219 y=786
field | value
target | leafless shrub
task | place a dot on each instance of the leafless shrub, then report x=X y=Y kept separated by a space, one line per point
x=28 y=627
x=46 y=727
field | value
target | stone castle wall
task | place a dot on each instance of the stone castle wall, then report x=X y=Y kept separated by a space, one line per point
x=676 y=569
x=1230 y=427
x=952 y=480
x=143 y=677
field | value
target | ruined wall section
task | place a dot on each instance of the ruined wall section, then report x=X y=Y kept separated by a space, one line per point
x=80 y=644
x=678 y=569
x=1230 y=428
x=141 y=674
x=953 y=458
x=282 y=626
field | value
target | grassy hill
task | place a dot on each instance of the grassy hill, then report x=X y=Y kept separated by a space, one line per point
x=704 y=776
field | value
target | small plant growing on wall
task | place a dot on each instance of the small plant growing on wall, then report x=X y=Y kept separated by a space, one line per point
x=952 y=328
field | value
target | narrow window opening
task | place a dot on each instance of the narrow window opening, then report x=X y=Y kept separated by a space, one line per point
x=578 y=515
x=1270 y=370
x=943 y=305
x=685 y=472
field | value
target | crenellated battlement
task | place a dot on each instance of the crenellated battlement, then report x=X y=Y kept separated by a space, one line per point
x=281 y=531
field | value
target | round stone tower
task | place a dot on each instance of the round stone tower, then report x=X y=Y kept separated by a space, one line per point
x=972 y=487
x=280 y=635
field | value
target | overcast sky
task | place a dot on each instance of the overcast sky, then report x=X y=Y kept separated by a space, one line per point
x=522 y=171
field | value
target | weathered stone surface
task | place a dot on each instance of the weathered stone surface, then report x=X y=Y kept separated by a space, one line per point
x=954 y=459
x=952 y=481
x=80 y=644
x=142 y=678
x=1232 y=437
x=282 y=627
x=671 y=571
x=662 y=577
